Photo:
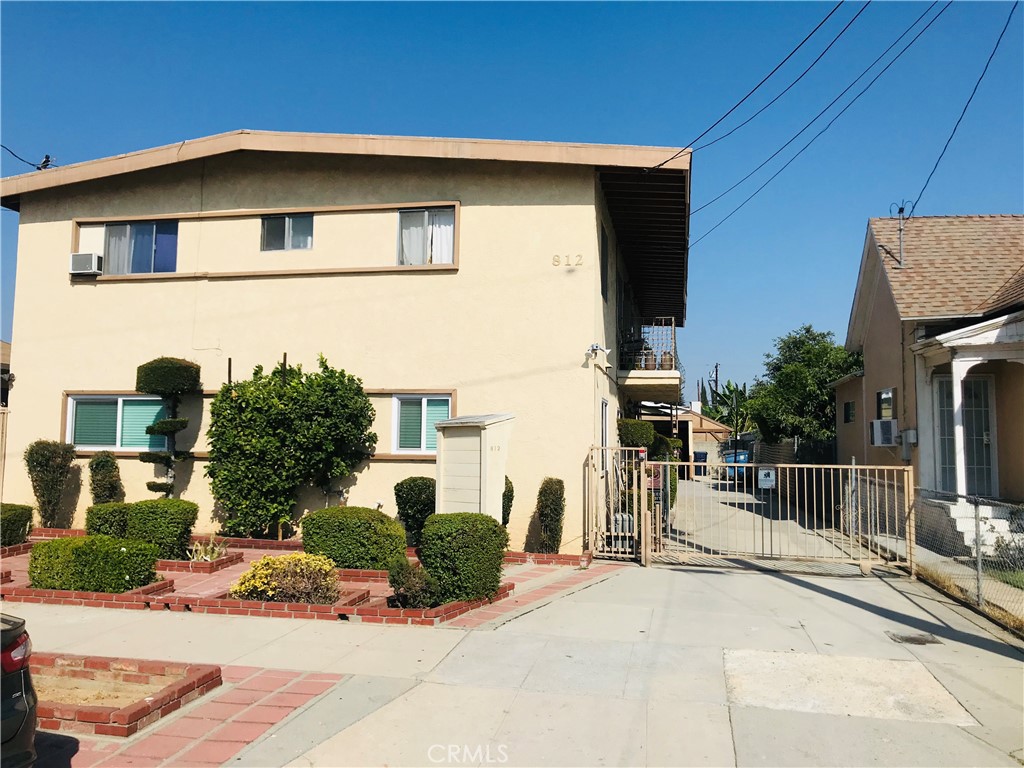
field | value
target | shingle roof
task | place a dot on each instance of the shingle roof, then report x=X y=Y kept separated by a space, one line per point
x=953 y=265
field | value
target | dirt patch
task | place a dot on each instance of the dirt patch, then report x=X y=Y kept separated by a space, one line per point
x=94 y=693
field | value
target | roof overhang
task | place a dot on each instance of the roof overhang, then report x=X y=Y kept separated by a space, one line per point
x=846 y=378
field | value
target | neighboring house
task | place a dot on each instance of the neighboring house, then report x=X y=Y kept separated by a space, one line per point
x=452 y=276
x=698 y=433
x=939 y=317
x=5 y=372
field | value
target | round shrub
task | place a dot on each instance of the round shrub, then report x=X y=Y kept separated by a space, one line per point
x=506 y=501
x=634 y=433
x=354 y=537
x=464 y=552
x=167 y=377
x=415 y=499
x=49 y=467
x=294 y=578
x=105 y=478
x=92 y=564
x=165 y=522
x=109 y=519
x=15 y=523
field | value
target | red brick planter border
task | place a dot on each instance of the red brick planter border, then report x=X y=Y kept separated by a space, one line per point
x=533 y=558
x=197 y=679
x=55 y=533
x=5 y=577
x=200 y=566
x=16 y=549
x=287 y=545
x=136 y=599
x=421 y=616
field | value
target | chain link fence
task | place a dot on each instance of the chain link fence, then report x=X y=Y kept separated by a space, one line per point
x=973 y=548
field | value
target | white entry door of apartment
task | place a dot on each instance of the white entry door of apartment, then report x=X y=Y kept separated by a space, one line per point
x=979 y=435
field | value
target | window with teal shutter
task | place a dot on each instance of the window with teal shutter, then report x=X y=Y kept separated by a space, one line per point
x=136 y=415
x=95 y=423
x=437 y=410
x=410 y=424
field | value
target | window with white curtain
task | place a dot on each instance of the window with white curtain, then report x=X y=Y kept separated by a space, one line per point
x=292 y=232
x=140 y=247
x=426 y=236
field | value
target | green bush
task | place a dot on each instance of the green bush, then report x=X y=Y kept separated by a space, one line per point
x=413 y=586
x=167 y=377
x=110 y=519
x=167 y=523
x=49 y=466
x=661 y=448
x=92 y=564
x=294 y=578
x=354 y=537
x=167 y=427
x=506 y=502
x=415 y=499
x=15 y=523
x=634 y=433
x=105 y=478
x=159 y=486
x=464 y=552
x=550 y=514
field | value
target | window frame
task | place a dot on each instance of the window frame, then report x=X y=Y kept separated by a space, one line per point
x=287 y=231
x=849 y=411
x=69 y=427
x=880 y=396
x=155 y=226
x=425 y=210
x=396 y=421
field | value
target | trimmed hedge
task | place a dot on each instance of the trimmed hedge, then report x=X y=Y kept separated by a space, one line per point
x=464 y=552
x=110 y=519
x=167 y=427
x=412 y=585
x=415 y=499
x=15 y=523
x=354 y=537
x=49 y=466
x=167 y=377
x=105 y=478
x=634 y=433
x=506 y=501
x=92 y=564
x=167 y=523
x=294 y=578
x=550 y=514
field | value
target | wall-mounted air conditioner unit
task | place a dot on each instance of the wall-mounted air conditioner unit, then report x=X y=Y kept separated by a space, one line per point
x=884 y=432
x=86 y=264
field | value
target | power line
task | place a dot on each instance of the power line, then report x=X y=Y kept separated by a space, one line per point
x=790 y=86
x=752 y=90
x=46 y=163
x=827 y=107
x=970 y=98
x=998 y=290
x=829 y=125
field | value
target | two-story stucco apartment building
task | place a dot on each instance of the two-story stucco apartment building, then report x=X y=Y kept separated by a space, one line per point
x=454 y=277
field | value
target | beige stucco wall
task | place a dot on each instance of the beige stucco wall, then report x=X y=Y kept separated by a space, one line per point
x=508 y=330
x=850 y=437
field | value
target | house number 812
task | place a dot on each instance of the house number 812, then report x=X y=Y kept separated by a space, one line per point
x=567 y=261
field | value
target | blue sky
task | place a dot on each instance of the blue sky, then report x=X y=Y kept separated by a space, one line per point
x=86 y=80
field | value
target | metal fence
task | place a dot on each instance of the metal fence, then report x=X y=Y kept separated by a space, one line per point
x=973 y=548
x=616 y=503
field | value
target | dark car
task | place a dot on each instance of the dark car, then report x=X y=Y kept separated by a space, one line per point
x=17 y=696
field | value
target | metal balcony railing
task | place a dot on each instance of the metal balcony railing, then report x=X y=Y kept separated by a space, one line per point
x=649 y=345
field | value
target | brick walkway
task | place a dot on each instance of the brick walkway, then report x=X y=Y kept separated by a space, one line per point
x=212 y=730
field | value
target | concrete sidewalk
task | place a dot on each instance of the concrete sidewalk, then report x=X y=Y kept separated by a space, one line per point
x=651 y=666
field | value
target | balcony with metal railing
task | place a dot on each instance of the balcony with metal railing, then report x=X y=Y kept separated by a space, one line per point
x=648 y=361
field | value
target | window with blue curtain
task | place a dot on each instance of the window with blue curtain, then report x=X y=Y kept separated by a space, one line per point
x=417 y=419
x=117 y=423
x=136 y=415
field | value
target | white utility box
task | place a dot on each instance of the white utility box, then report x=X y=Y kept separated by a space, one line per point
x=471 y=456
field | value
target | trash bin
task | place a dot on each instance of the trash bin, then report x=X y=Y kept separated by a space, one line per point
x=737 y=457
x=700 y=457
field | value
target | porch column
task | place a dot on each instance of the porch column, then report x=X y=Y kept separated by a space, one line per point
x=960 y=368
x=925 y=424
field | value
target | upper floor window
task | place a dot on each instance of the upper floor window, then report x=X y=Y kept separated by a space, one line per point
x=112 y=422
x=426 y=236
x=415 y=420
x=885 y=404
x=140 y=247
x=291 y=232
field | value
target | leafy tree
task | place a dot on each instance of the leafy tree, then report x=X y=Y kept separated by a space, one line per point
x=729 y=405
x=794 y=399
x=274 y=433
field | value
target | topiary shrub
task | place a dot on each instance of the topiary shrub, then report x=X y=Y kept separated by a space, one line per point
x=294 y=578
x=15 y=524
x=49 y=466
x=506 y=502
x=105 y=478
x=413 y=586
x=550 y=513
x=110 y=519
x=354 y=537
x=634 y=433
x=415 y=499
x=464 y=552
x=92 y=564
x=168 y=377
x=167 y=523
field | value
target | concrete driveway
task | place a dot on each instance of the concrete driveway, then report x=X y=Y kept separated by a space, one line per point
x=659 y=666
